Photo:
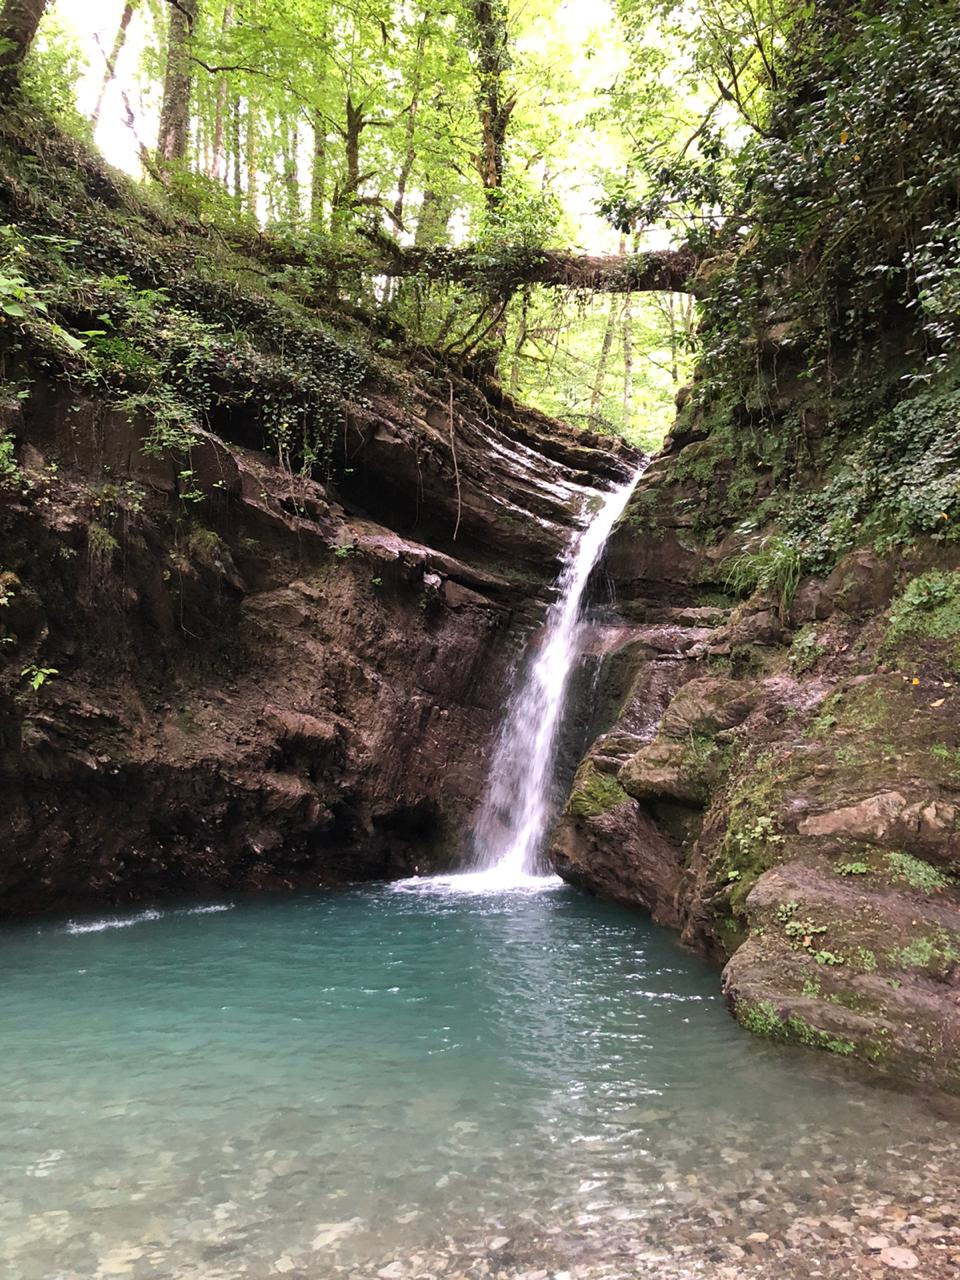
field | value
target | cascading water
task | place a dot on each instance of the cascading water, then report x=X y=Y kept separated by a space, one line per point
x=516 y=809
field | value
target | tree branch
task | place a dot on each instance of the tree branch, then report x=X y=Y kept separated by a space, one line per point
x=661 y=271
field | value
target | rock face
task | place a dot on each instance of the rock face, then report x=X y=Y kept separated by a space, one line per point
x=254 y=687
x=793 y=804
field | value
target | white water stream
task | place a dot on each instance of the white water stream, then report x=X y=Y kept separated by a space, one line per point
x=515 y=812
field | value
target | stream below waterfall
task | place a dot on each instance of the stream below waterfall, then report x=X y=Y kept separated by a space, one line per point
x=418 y=1081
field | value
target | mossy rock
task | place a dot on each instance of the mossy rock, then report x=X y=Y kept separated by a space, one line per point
x=594 y=793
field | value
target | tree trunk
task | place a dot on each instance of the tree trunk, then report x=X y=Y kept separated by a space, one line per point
x=351 y=141
x=346 y=196
x=18 y=27
x=520 y=342
x=236 y=149
x=174 y=137
x=410 y=130
x=291 y=170
x=491 y=45
x=218 y=166
x=252 y=156
x=318 y=180
x=660 y=271
x=627 y=361
x=110 y=70
x=596 y=398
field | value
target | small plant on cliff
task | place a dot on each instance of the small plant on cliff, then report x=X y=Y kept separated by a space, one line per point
x=10 y=473
x=36 y=677
x=806 y=651
x=938 y=953
x=760 y=834
x=949 y=756
x=853 y=869
x=775 y=566
x=760 y=1018
x=101 y=547
x=918 y=874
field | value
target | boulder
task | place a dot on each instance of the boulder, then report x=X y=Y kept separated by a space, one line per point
x=662 y=769
x=707 y=706
x=620 y=854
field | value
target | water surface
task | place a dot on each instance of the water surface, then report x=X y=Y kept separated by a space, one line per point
x=404 y=1079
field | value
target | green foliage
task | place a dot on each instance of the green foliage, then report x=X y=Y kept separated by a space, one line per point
x=864 y=960
x=947 y=755
x=917 y=874
x=937 y=952
x=763 y=1019
x=51 y=74
x=929 y=606
x=36 y=677
x=761 y=833
x=806 y=651
x=854 y=869
x=10 y=473
x=853 y=183
x=101 y=548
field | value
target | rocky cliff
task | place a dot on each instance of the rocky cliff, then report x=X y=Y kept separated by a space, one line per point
x=263 y=572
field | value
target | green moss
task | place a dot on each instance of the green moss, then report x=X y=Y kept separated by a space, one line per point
x=594 y=793
x=752 y=842
x=706 y=761
x=799 y=1030
x=827 y=717
x=762 y=1019
x=204 y=543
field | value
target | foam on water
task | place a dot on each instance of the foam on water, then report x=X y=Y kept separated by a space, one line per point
x=113 y=922
x=493 y=881
x=142 y=917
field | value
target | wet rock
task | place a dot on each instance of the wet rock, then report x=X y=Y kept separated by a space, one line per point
x=899 y=1259
x=662 y=769
x=706 y=706
x=620 y=853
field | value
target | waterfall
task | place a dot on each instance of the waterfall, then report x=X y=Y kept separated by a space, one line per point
x=515 y=813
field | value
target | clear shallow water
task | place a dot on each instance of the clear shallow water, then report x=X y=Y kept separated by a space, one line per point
x=410 y=1077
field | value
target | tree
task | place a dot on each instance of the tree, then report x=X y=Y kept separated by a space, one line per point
x=174 y=136
x=496 y=104
x=19 y=21
x=113 y=56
